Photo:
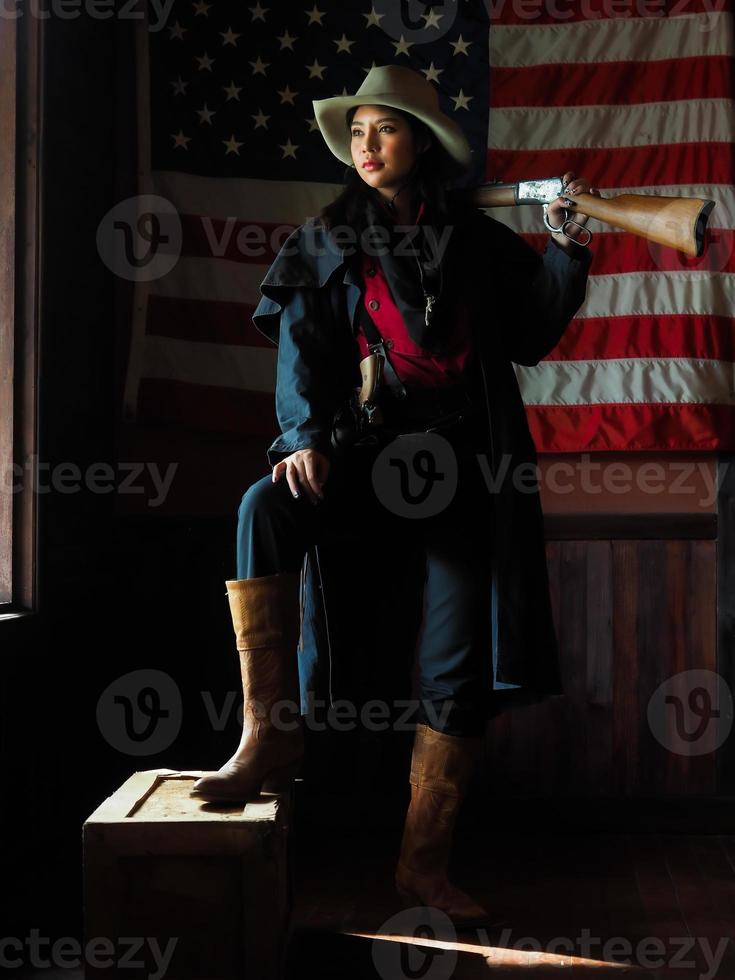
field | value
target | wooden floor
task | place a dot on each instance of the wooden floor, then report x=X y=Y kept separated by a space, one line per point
x=670 y=897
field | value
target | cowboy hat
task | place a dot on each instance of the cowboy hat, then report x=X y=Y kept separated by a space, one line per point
x=400 y=88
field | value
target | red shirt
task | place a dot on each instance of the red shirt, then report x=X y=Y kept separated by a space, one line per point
x=413 y=364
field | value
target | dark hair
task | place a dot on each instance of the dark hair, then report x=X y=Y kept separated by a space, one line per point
x=432 y=174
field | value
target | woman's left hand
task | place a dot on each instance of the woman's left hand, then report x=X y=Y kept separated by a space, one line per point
x=555 y=213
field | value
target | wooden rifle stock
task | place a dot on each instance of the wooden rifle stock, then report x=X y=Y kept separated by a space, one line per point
x=679 y=222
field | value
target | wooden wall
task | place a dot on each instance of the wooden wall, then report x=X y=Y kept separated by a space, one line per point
x=629 y=615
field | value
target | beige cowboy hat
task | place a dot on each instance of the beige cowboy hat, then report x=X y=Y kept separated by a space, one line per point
x=400 y=88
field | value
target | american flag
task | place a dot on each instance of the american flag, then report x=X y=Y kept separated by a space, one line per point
x=633 y=103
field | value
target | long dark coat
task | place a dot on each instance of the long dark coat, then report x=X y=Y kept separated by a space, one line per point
x=361 y=614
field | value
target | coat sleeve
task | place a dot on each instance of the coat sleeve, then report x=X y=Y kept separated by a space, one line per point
x=306 y=390
x=537 y=295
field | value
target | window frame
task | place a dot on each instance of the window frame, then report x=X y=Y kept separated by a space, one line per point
x=21 y=61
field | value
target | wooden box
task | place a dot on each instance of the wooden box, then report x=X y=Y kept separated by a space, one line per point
x=160 y=865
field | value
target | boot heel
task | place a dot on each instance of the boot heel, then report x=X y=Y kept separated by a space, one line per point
x=281 y=779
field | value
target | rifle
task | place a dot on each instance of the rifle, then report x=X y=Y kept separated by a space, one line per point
x=679 y=222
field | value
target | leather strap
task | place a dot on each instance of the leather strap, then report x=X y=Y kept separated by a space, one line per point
x=376 y=343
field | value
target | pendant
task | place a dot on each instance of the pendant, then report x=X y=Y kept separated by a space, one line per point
x=430 y=301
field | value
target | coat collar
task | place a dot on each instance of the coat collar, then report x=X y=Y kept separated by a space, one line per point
x=309 y=257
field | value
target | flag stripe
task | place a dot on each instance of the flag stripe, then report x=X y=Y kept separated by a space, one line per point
x=627 y=380
x=216 y=365
x=613 y=166
x=208 y=409
x=269 y=202
x=610 y=83
x=207 y=321
x=530 y=13
x=602 y=126
x=597 y=42
x=609 y=428
x=653 y=294
x=619 y=252
x=697 y=336
x=211 y=279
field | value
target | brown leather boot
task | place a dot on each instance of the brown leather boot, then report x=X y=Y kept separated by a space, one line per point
x=441 y=767
x=266 y=618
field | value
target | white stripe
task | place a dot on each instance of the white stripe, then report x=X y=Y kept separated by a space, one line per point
x=628 y=381
x=258 y=201
x=659 y=293
x=528 y=128
x=220 y=365
x=622 y=294
x=219 y=280
x=613 y=39
x=528 y=218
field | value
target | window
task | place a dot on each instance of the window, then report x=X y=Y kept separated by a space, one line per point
x=20 y=61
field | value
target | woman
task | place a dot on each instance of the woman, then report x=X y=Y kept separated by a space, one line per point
x=455 y=312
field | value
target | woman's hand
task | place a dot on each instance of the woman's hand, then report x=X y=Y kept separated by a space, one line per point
x=307 y=470
x=555 y=213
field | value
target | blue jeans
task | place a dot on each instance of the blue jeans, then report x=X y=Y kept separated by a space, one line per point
x=454 y=645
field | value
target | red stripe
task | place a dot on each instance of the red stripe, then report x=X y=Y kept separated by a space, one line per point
x=252 y=242
x=205 y=321
x=560 y=12
x=637 y=166
x=600 y=428
x=603 y=338
x=618 y=253
x=612 y=83
x=206 y=408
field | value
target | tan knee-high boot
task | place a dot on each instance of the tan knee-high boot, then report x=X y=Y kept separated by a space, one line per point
x=266 y=618
x=441 y=767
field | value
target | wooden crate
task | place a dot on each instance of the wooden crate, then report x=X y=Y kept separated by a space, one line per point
x=159 y=863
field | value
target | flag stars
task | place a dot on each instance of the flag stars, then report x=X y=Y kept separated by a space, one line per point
x=179 y=86
x=258 y=12
x=461 y=100
x=315 y=16
x=205 y=62
x=373 y=18
x=177 y=32
x=233 y=91
x=229 y=37
x=460 y=45
x=287 y=95
x=201 y=8
x=316 y=70
x=313 y=125
x=287 y=41
x=432 y=19
x=344 y=45
x=180 y=140
x=432 y=73
x=261 y=120
x=289 y=150
x=259 y=66
x=232 y=145
x=402 y=45
x=205 y=114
